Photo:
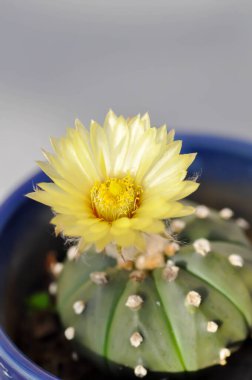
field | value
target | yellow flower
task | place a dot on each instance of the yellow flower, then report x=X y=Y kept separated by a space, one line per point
x=115 y=183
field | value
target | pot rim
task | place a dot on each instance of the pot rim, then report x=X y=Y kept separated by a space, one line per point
x=11 y=358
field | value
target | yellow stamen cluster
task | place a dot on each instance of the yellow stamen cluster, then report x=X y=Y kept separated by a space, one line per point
x=115 y=198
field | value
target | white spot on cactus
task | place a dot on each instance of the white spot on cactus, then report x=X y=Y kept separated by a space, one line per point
x=136 y=339
x=134 y=302
x=99 y=278
x=140 y=371
x=69 y=333
x=170 y=263
x=57 y=269
x=202 y=212
x=158 y=303
x=170 y=272
x=224 y=354
x=226 y=213
x=202 y=246
x=212 y=327
x=79 y=307
x=193 y=299
x=75 y=356
x=236 y=260
x=178 y=225
x=72 y=253
x=53 y=288
x=243 y=223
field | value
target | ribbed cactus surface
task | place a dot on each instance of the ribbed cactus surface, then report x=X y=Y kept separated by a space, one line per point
x=212 y=226
x=188 y=315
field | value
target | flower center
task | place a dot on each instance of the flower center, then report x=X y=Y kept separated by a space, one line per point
x=115 y=198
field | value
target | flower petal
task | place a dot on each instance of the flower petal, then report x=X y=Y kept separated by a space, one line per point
x=89 y=168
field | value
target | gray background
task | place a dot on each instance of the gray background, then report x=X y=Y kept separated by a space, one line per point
x=187 y=62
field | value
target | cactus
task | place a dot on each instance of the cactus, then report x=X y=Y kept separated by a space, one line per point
x=190 y=314
x=170 y=309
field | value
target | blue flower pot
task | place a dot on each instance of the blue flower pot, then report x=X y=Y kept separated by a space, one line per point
x=224 y=167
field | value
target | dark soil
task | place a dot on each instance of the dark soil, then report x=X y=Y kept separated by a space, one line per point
x=40 y=336
x=42 y=340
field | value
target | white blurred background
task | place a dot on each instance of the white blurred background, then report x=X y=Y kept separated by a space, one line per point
x=187 y=62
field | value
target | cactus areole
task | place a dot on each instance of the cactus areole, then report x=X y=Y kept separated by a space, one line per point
x=150 y=284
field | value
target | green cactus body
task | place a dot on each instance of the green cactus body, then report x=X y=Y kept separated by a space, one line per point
x=213 y=228
x=187 y=315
